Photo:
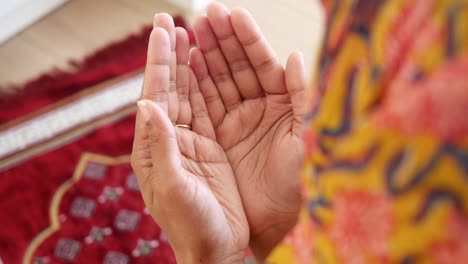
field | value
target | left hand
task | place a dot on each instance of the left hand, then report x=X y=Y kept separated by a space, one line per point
x=185 y=177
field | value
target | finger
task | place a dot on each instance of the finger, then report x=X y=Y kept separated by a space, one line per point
x=214 y=104
x=261 y=55
x=217 y=66
x=166 y=22
x=141 y=157
x=162 y=142
x=296 y=83
x=201 y=122
x=182 y=81
x=241 y=69
x=157 y=70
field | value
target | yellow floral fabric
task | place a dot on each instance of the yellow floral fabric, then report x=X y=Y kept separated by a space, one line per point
x=386 y=166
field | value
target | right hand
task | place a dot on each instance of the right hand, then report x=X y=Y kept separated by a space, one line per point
x=185 y=178
x=257 y=108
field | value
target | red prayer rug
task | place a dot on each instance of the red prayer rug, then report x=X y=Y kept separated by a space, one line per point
x=114 y=60
x=67 y=190
x=78 y=200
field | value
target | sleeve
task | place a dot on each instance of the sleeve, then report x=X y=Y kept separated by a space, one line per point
x=386 y=163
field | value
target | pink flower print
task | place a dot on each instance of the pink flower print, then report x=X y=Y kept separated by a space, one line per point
x=455 y=249
x=301 y=239
x=362 y=227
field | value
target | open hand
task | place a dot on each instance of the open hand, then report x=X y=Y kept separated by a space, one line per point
x=256 y=108
x=185 y=177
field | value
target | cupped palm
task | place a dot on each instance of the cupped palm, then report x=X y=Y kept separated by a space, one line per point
x=185 y=177
x=256 y=107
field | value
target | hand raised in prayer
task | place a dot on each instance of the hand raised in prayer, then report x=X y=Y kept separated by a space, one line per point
x=186 y=179
x=256 y=107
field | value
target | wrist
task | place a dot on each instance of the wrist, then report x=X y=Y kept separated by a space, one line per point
x=261 y=250
x=188 y=257
x=263 y=243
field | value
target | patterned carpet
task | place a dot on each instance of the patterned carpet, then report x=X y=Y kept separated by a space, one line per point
x=67 y=191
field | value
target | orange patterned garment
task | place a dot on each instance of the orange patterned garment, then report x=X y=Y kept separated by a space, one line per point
x=386 y=167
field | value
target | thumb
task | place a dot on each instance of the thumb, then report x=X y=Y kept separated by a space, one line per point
x=165 y=154
x=295 y=84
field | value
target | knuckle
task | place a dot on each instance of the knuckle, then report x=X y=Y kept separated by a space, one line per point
x=198 y=112
x=159 y=96
x=140 y=159
x=182 y=97
x=134 y=161
x=154 y=139
x=210 y=98
x=226 y=37
x=172 y=86
x=221 y=76
x=239 y=64
x=252 y=40
x=266 y=64
x=182 y=91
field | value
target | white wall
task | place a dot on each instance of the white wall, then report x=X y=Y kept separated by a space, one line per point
x=191 y=6
x=15 y=15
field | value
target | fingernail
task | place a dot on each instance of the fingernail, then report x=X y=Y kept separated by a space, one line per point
x=144 y=111
x=301 y=54
x=155 y=20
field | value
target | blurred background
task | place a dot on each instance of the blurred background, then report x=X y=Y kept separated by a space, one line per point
x=37 y=35
x=70 y=74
